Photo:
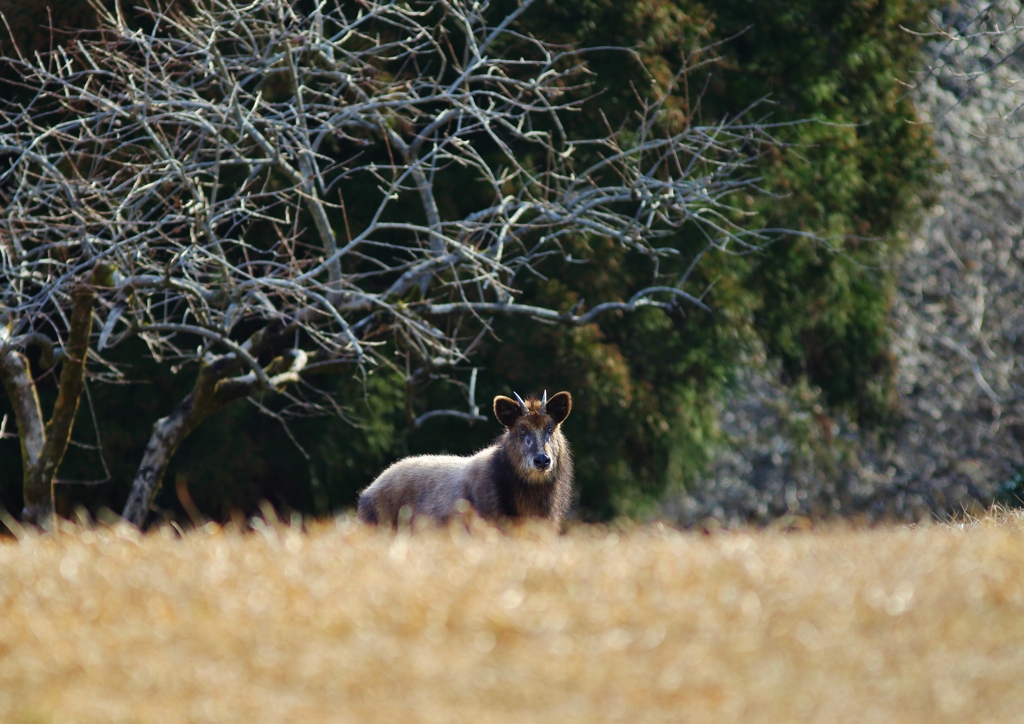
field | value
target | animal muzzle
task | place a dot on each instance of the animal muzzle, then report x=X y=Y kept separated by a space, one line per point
x=541 y=461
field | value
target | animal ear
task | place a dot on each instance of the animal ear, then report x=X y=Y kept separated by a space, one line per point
x=507 y=410
x=559 y=407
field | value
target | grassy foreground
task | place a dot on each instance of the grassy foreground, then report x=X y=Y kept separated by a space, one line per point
x=342 y=623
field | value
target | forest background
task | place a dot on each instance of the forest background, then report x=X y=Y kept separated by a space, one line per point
x=794 y=392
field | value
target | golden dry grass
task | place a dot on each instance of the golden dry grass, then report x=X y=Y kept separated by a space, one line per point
x=342 y=623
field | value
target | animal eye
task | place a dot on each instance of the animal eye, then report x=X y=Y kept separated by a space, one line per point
x=522 y=431
x=551 y=430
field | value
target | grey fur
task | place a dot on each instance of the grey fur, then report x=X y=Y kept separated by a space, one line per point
x=501 y=481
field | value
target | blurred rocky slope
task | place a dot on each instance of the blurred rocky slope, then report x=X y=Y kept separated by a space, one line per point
x=958 y=322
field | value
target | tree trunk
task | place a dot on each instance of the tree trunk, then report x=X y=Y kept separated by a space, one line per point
x=214 y=389
x=69 y=395
x=43 y=448
x=168 y=433
x=219 y=382
x=21 y=390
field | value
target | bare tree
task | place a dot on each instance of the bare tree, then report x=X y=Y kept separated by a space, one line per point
x=201 y=164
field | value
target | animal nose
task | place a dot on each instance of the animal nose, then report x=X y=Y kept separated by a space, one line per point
x=542 y=461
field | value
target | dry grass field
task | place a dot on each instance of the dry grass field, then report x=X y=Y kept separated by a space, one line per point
x=343 y=623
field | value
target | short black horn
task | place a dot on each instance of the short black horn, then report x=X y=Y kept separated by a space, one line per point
x=544 y=404
x=520 y=401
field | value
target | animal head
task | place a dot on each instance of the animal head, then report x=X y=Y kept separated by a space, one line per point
x=534 y=442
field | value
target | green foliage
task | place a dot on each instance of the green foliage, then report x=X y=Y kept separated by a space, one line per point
x=855 y=177
x=1010 y=492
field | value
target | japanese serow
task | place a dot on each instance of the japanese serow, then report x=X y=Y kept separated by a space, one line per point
x=526 y=472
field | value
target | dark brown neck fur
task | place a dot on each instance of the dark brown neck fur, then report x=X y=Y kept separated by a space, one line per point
x=518 y=498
